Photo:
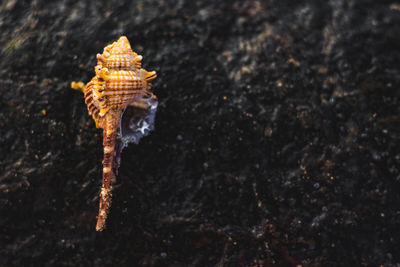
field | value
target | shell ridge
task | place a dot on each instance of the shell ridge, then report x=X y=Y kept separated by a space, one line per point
x=119 y=100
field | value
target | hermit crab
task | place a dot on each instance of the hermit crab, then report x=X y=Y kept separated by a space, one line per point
x=119 y=99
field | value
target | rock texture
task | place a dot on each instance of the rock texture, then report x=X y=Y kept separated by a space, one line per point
x=277 y=136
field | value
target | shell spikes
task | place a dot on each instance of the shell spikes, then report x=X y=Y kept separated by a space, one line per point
x=119 y=99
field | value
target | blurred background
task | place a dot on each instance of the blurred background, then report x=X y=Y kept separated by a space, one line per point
x=276 y=141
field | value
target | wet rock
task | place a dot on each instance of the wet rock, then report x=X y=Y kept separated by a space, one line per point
x=276 y=140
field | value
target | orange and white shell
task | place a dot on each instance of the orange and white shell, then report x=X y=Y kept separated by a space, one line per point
x=119 y=80
x=119 y=99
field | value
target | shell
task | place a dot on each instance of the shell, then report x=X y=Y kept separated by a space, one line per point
x=120 y=102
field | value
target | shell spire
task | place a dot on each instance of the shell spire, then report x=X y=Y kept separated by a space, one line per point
x=119 y=99
x=119 y=55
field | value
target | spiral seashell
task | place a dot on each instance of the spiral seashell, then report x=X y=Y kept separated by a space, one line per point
x=120 y=102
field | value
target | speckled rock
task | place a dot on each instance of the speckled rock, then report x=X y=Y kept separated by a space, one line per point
x=276 y=140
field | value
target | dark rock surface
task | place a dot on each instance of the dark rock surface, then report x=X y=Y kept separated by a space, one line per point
x=277 y=137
